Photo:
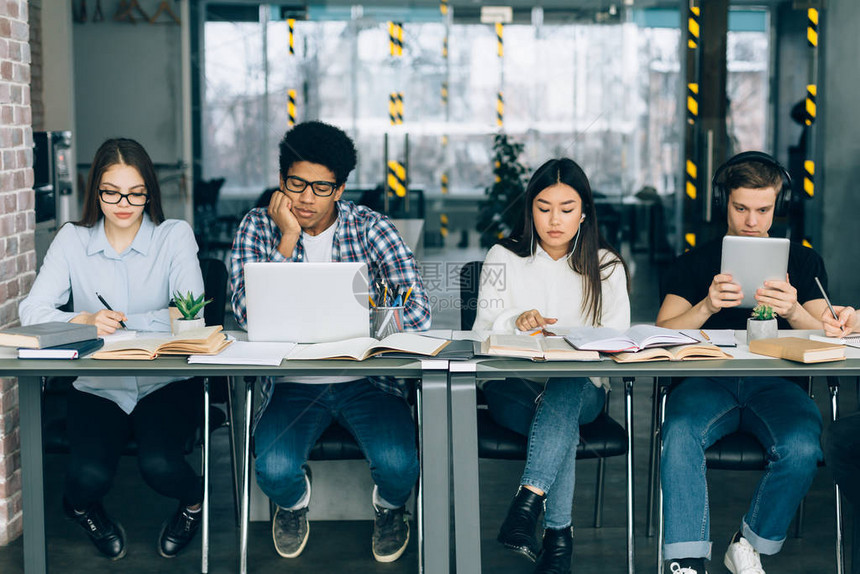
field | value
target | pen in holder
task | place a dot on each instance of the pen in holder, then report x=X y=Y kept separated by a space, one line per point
x=385 y=321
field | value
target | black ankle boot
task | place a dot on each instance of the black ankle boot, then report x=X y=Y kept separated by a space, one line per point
x=518 y=529
x=556 y=552
x=107 y=535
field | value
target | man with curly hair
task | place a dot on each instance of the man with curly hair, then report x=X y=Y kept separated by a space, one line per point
x=306 y=220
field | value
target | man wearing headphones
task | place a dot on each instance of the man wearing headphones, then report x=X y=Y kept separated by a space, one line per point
x=748 y=188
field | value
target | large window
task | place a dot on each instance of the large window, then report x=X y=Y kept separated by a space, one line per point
x=606 y=95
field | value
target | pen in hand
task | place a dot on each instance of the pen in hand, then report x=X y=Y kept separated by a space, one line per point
x=826 y=300
x=108 y=307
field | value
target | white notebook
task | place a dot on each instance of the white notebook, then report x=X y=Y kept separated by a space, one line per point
x=850 y=341
x=245 y=353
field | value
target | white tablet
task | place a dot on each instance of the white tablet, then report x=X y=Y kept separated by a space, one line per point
x=753 y=260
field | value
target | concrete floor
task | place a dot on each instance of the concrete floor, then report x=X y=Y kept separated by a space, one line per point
x=345 y=546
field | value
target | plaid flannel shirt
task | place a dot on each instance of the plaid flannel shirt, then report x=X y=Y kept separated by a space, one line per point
x=362 y=235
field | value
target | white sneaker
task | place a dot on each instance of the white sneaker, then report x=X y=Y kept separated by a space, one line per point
x=742 y=558
x=675 y=568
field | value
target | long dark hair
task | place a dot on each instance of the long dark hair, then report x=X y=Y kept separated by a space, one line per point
x=124 y=152
x=585 y=260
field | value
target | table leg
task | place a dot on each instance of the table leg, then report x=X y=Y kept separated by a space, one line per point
x=628 y=419
x=434 y=495
x=246 y=475
x=32 y=475
x=464 y=431
x=204 y=552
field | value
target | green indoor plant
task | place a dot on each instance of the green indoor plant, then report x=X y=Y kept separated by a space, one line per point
x=762 y=323
x=502 y=211
x=189 y=306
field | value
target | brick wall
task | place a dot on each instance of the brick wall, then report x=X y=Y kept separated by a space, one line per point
x=17 y=221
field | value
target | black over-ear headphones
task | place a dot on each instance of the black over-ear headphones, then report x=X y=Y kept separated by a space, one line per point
x=721 y=192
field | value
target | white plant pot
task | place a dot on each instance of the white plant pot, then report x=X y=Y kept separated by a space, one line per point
x=181 y=325
x=761 y=329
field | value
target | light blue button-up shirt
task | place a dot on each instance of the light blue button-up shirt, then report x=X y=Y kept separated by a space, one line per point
x=140 y=282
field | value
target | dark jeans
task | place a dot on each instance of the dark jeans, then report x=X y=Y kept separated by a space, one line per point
x=162 y=423
x=842 y=453
x=299 y=413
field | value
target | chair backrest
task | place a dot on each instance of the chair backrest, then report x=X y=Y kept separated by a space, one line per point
x=470 y=281
x=215 y=286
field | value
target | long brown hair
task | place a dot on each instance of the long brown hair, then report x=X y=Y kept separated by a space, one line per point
x=585 y=260
x=120 y=151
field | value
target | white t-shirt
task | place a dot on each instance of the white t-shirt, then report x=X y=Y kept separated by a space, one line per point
x=318 y=247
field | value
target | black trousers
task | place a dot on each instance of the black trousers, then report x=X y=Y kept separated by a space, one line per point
x=842 y=453
x=162 y=423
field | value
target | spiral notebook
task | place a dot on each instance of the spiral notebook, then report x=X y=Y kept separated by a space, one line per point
x=850 y=341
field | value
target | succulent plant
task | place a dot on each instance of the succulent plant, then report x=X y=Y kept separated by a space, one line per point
x=763 y=313
x=188 y=304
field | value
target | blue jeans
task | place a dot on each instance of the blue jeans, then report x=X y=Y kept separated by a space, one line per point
x=549 y=416
x=299 y=413
x=699 y=412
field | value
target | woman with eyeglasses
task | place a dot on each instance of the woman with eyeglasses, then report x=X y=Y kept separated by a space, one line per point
x=124 y=250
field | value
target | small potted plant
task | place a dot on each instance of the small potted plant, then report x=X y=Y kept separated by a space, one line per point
x=762 y=323
x=189 y=306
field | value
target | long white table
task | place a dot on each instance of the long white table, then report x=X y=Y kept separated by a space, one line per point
x=434 y=500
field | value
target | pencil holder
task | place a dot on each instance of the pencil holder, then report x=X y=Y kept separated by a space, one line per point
x=385 y=321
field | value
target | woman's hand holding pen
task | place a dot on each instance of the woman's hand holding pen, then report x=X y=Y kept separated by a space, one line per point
x=533 y=320
x=106 y=321
x=845 y=324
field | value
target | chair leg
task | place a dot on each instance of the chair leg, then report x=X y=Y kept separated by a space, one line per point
x=204 y=527
x=661 y=418
x=234 y=471
x=652 y=461
x=600 y=483
x=598 y=494
x=833 y=385
x=628 y=419
x=246 y=476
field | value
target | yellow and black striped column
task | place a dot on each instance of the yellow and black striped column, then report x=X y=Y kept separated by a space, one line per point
x=693 y=27
x=809 y=177
x=811 y=106
x=397 y=178
x=291 y=27
x=692 y=103
x=395 y=38
x=500 y=109
x=291 y=107
x=812 y=27
x=443 y=7
x=500 y=39
x=395 y=108
x=691 y=179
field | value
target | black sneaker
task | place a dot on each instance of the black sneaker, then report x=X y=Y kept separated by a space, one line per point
x=107 y=535
x=290 y=531
x=390 y=533
x=178 y=531
x=686 y=566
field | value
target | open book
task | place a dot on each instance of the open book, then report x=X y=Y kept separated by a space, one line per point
x=204 y=341
x=535 y=347
x=700 y=352
x=635 y=338
x=361 y=348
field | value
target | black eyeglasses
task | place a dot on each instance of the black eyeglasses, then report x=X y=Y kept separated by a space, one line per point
x=113 y=197
x=296 y=184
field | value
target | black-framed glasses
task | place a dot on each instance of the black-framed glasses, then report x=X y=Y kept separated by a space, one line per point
x=112 y=197
x=297 y=184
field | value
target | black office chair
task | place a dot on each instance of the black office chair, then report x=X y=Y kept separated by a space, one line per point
x=736 y=451
x=602 y=438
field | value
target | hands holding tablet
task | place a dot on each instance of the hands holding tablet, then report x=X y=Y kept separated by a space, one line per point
x=725 y=293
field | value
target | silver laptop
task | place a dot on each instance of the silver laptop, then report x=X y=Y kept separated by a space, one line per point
x=754 y=260
x=306 y=302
